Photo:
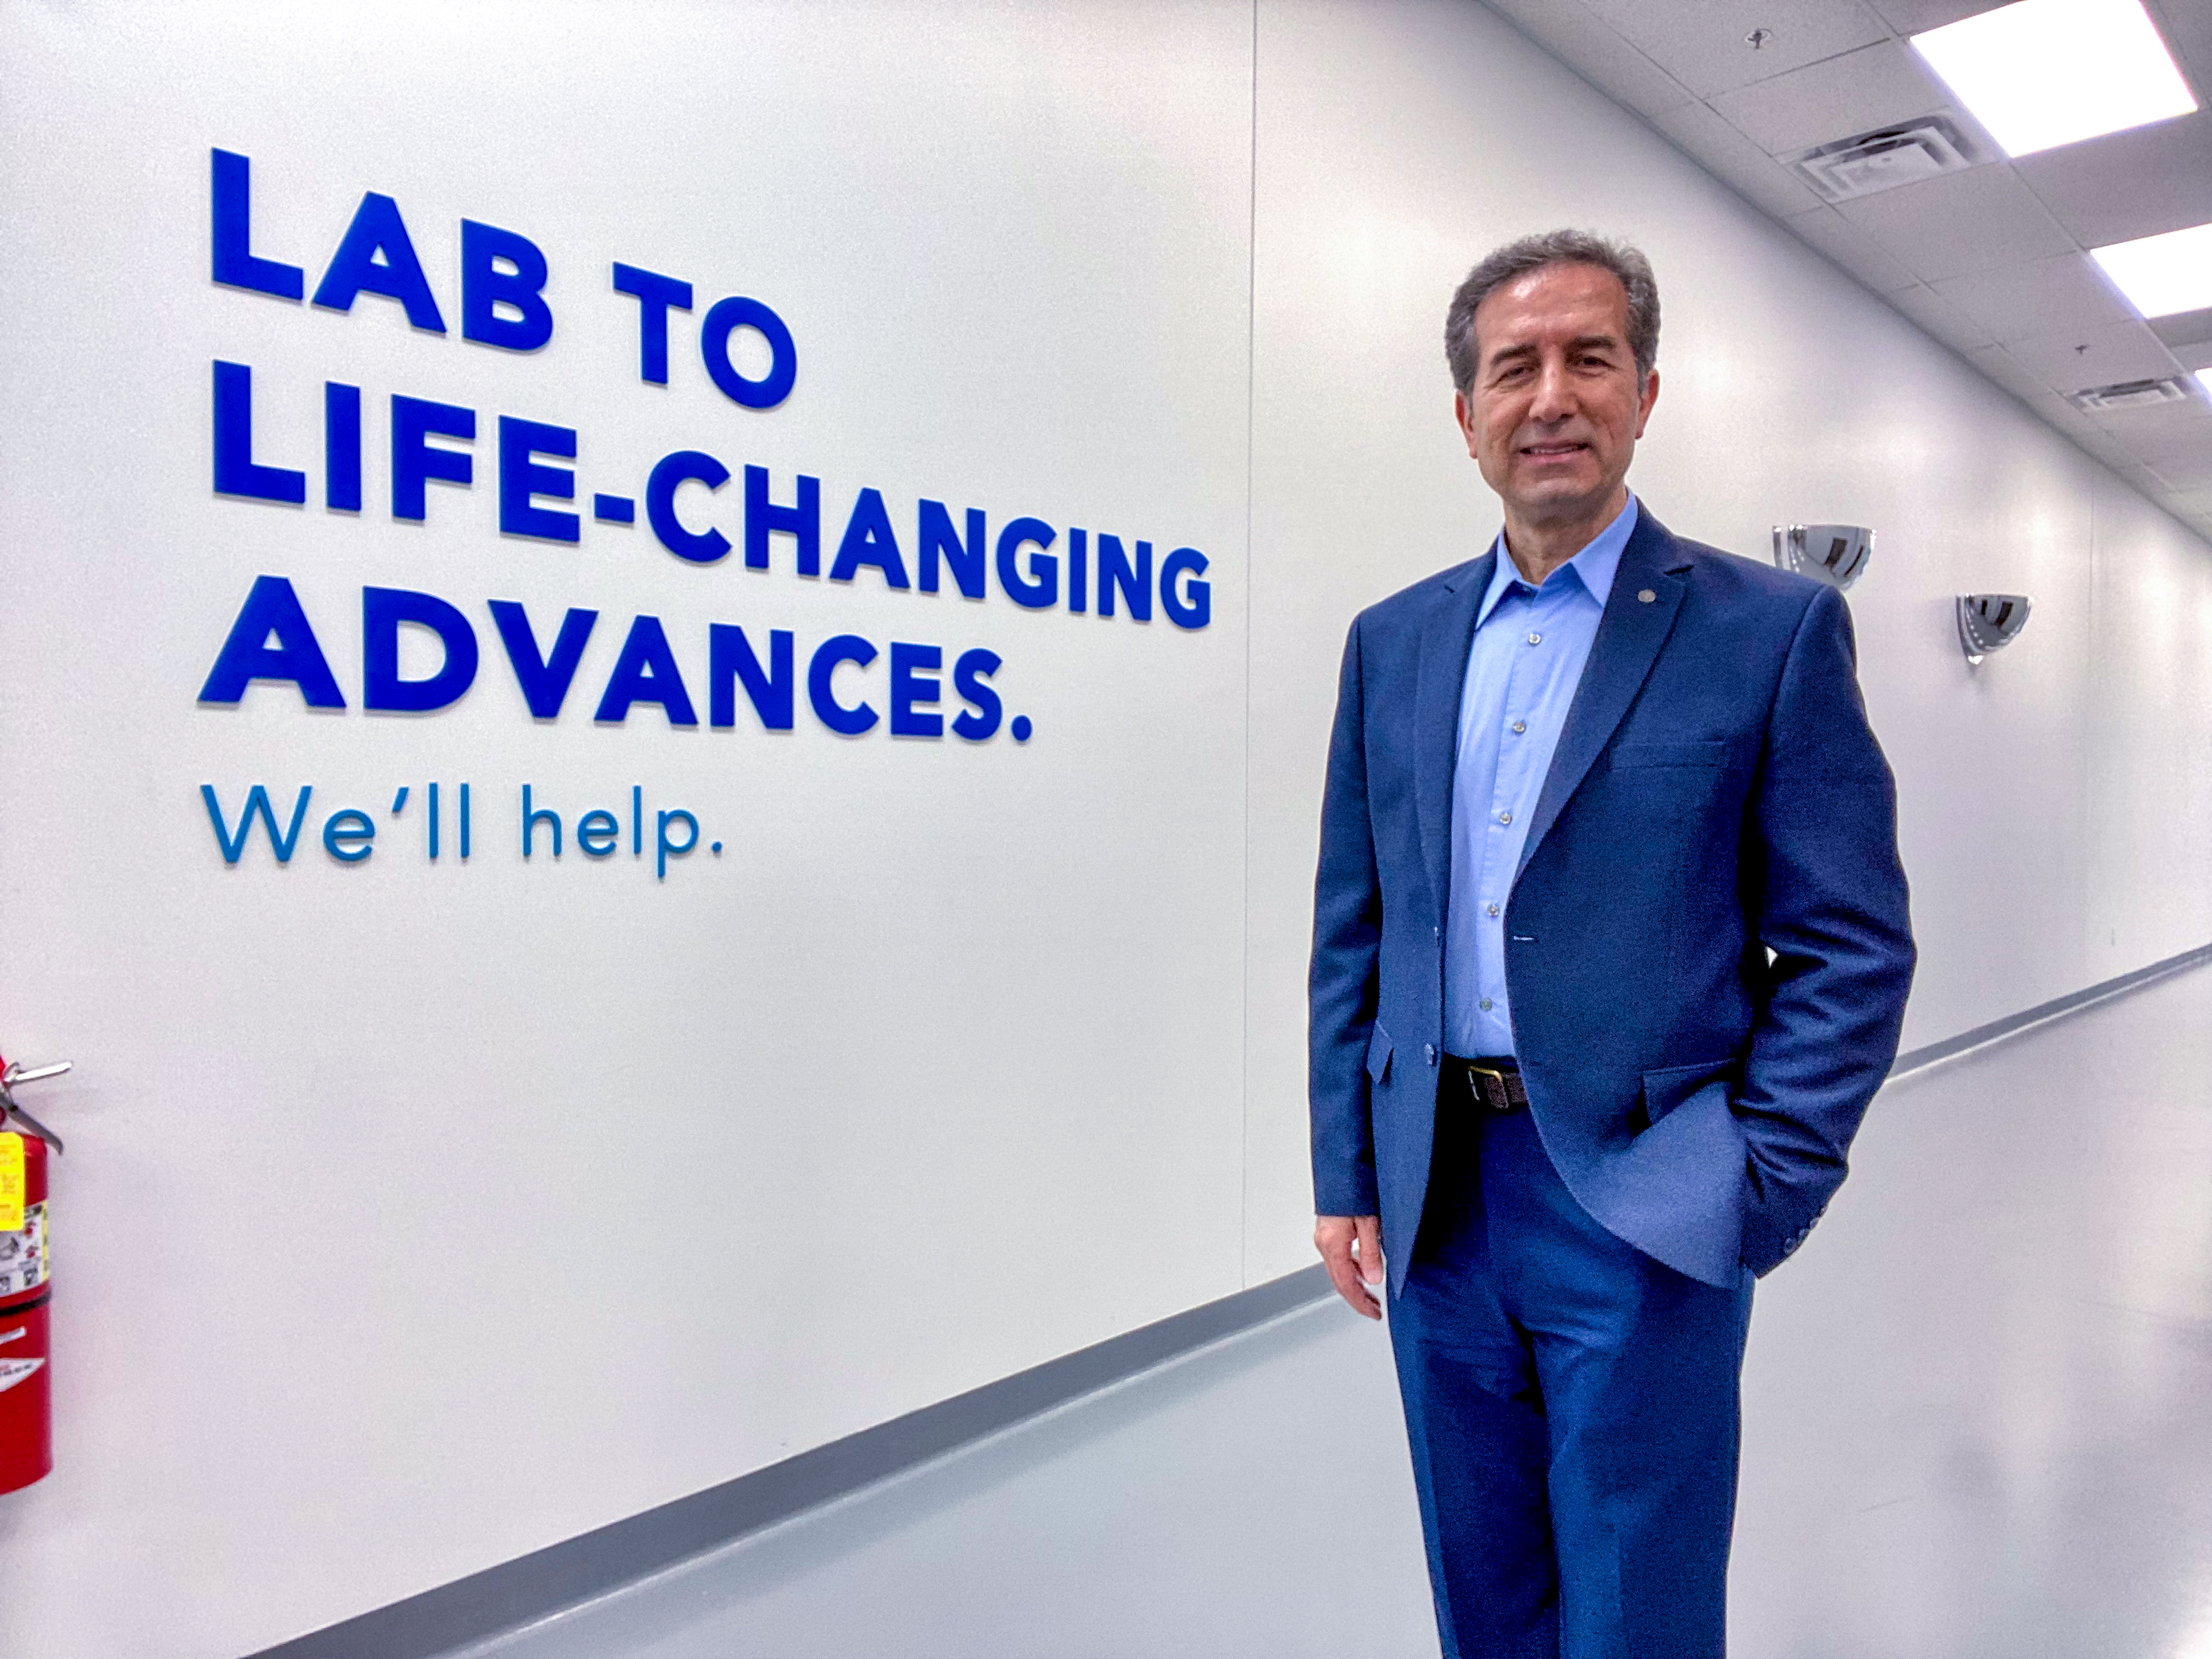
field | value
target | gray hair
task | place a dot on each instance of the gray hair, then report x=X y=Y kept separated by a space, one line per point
x=1555 y=247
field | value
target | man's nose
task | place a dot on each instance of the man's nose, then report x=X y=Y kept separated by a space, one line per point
x=1554 y=399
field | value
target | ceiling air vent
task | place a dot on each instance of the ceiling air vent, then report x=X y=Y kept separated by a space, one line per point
x=1886 y=158
x=2129 y=394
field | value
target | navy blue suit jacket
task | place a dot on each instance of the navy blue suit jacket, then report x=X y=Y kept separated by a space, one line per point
x=1716 y=794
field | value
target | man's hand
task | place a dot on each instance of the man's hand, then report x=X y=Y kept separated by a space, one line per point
x=1351 y=1247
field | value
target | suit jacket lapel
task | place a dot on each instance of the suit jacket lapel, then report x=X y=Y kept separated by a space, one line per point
x=1629 y=636
x=1444 y=643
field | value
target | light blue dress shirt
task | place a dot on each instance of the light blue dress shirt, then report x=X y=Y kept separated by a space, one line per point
x=1530 y=648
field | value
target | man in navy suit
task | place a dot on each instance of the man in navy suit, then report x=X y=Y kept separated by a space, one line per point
x=1610 y=953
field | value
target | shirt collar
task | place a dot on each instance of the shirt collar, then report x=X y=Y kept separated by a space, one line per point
x=1595 y=566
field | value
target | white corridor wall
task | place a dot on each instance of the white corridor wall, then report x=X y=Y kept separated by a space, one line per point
x=417 y=1215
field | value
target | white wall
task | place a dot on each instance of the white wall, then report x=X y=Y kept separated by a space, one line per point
x=418 y=1216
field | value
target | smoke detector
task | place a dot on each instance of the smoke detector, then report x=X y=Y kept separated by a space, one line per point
x=2129 y=394
x=1888 y=157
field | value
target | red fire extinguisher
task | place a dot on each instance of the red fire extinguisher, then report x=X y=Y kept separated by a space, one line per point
x=26 y=1435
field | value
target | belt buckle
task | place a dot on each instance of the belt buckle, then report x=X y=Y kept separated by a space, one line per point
x=1489 y=1087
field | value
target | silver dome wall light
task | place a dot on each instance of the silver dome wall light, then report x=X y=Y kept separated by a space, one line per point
x=1835 y=554
x=1989 y=622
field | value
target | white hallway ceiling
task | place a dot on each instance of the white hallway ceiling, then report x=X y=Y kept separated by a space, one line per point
x=1993 y=260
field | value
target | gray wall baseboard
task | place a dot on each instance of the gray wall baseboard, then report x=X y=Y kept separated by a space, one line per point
x=537 y=1586
x=533 y=1587
x=1919 y=1060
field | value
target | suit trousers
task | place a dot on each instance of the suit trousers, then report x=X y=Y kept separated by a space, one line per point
x=1572 y=1407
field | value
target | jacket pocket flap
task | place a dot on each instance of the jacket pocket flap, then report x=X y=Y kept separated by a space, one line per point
x=1378 y=1054
x=1711 y=753
x=1670 y=1086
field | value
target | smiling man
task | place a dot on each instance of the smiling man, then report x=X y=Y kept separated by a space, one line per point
x=1610 y=953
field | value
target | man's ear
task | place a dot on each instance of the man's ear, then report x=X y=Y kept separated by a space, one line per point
x=1464 y=412
x=1644 y=405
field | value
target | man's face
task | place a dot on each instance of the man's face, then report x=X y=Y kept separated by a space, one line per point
x=1557 y=405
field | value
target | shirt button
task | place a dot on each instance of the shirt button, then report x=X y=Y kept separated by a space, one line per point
x=1493 y=910
x=1430 y=1049
x=1484 y=1004
x=1520 y=725
x=1505 y=817
x=1535 y=639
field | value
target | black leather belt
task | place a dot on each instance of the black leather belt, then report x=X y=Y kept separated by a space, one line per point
x=1495 y=1083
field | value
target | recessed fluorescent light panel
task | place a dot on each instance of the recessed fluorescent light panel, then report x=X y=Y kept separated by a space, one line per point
x=2204 y=380
x=2161 y=275
x=2042 y=73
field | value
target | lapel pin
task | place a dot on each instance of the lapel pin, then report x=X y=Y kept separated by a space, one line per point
x=1645 y=596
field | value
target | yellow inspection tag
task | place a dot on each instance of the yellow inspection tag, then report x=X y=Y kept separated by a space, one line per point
x=11 y=1183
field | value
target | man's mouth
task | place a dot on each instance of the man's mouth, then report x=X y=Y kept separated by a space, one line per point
x=1552 y=451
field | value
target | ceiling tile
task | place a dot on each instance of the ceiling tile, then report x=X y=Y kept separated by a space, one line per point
x=2127 y=184
x=2041 y=296
x=1703 y=42
x=1917 y=17
x=2096 y=356
x=1874 y=87
x=2002 y=366
x=2184 y=328
x=2193 y=357
x=1852 y=248
x=2187 y=26
x=2186 y=471
x=1939 y=317
x=1737 y=161
x=1960 y=224
x=1593 y=49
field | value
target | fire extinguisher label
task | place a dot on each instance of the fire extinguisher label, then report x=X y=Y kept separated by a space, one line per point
x=23 y=1253
x=11 y=1181
x=13 y=1372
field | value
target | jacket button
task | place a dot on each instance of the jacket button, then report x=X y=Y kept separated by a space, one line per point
x=1430 y=1049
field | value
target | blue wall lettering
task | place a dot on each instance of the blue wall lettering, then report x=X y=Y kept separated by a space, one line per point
x=598 y=832
x=532 y=817
x=725 y=317
x=1040 y=588
x=914 y=682
x=341 y=446
x=545 y=679
x=802 y=521
x=347 y=835
x=670 y=473
x=730 y=658
x=485 y=288
x=376 y=257
x=235 y=263
x=937 y=538
x=272 y=640
x=656 y=295
x=971 y=678
x=868 y=540
x=1134 y=582
x=383 y=611
x=521 y=477
x=667 y=849
x=236 y=471
x=646 y=672
x=821 y=673
x=233 y=842
x=414 y=462
x=1190 y=605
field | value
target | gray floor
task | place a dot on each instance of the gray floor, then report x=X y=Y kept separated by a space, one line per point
x=1978 y=1422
